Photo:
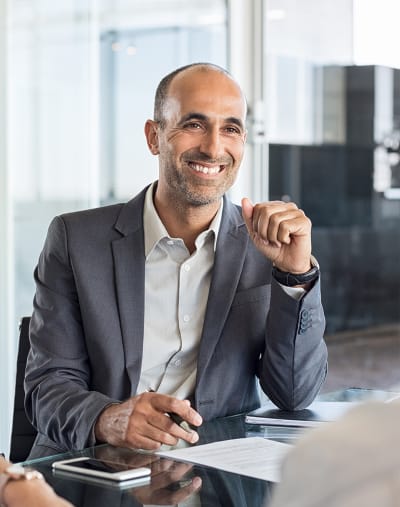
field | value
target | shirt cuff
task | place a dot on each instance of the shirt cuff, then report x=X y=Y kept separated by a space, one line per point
x=293 y=292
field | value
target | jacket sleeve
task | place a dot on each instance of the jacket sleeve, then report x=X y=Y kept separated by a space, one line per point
x=58 y=398
x=294 y=364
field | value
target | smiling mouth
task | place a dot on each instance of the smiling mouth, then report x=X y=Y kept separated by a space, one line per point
x=199 y=168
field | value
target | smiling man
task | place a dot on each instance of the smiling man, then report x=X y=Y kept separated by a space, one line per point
x=177 y=301
x=199 y=139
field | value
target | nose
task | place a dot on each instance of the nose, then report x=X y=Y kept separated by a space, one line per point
x=211 y=144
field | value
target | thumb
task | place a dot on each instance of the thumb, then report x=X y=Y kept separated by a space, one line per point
x=247 y=213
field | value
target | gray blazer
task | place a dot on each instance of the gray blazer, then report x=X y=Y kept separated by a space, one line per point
x=87 y=326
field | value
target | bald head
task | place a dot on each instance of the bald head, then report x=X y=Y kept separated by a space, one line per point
x=188 y=71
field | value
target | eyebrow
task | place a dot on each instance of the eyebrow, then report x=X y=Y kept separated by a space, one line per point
x=203 y=117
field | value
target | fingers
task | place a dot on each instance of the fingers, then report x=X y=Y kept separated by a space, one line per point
x=275 y=222
x=281 y=232
x=32 y=494
x=278 y=222
x=159 y=426
x=247 y=212
x=169 y=404
x=143 y=422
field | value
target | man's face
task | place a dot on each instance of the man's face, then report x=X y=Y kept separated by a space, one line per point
x=201 y=144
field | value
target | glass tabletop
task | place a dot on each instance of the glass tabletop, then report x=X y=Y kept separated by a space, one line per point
x=171 y=481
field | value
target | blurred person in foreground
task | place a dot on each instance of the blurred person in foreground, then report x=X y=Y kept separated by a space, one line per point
x=353 y=462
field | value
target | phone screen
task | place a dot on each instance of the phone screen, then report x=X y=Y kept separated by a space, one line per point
x=100 y=465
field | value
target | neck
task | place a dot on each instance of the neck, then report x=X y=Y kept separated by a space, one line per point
x=185 y=221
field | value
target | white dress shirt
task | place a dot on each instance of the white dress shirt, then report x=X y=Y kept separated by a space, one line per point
x=176 y=294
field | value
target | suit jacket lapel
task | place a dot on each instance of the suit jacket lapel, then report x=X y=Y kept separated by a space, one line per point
x=229 y=257
x=129 y=269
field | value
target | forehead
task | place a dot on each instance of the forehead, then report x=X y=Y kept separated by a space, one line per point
x=209 y=92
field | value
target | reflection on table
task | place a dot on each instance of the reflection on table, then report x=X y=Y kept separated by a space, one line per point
x=183 y=484
x=172 y=483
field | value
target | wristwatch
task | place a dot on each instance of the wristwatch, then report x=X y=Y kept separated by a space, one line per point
x=16 y=473
x=291 y=279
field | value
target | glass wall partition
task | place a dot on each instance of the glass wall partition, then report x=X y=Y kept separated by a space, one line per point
x=333 y=103
x=82 y=78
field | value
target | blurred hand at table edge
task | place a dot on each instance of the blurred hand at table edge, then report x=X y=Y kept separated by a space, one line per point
x=28 y=493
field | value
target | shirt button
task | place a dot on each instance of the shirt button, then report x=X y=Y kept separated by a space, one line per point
x=178 y=362
x=170 y=242
x=186 y=318
x=186 y=267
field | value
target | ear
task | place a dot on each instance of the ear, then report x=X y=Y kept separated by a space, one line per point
x=151 y=133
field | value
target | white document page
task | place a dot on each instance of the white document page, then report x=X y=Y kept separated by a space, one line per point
x=254 y=457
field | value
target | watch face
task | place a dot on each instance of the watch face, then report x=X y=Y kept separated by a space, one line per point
x=15 y=471
x=19 y=472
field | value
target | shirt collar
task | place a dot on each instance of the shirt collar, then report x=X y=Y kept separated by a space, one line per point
x=154 y=229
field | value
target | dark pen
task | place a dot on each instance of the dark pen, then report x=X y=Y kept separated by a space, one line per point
x=174 y=417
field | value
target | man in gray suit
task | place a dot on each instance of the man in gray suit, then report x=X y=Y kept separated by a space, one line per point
x=176 y=301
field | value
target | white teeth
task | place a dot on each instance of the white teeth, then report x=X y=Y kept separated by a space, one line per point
x=205 y=170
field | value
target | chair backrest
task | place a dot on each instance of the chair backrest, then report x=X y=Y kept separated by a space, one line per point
x=22 y=432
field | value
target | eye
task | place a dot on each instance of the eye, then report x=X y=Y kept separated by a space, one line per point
x=193 y=125
x=233 y=130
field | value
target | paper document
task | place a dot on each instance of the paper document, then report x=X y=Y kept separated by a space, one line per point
x=254 y=457
x=317 y=413
x=395 y=397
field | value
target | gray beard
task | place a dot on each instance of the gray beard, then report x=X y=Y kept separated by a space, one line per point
x=196 y=199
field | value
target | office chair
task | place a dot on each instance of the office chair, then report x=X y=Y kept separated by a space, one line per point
x=22 y=432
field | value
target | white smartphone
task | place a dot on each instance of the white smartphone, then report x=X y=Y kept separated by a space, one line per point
x=109 y=470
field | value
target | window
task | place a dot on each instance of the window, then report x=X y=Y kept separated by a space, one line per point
x=82 y=77
x=332 y=102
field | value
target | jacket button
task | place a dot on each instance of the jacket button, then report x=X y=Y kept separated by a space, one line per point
x=305 y=321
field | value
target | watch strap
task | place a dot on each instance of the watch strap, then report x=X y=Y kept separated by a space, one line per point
x=292 y=279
